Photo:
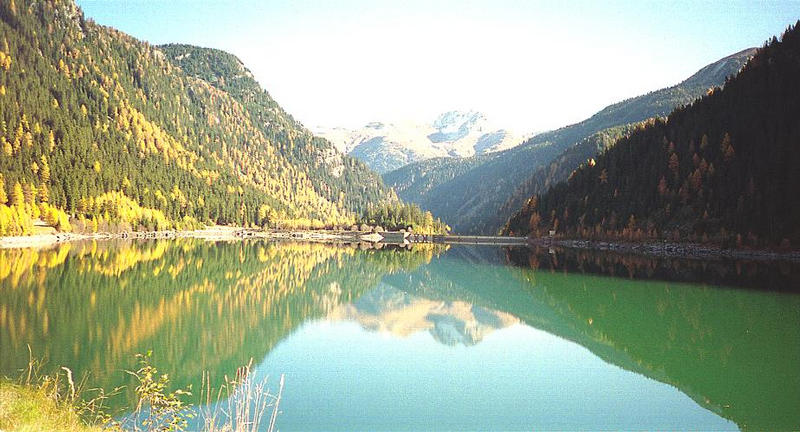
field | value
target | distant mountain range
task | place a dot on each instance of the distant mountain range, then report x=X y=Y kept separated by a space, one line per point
x=388 y=146
x=472 y=194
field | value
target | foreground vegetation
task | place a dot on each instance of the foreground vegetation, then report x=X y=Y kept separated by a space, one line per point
x=58 y=403
x=29 y=408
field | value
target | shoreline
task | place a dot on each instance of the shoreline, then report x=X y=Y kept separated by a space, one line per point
x=47 y=240
x=212 y=233
x=669 y=249
x=227 y=233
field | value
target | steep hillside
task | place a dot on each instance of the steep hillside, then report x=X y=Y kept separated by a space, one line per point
x=469 y=201
x=561 y=168
x=724 y=169
x=335 y=176
x=418 y=179
x=389 y=146
x=104 y=128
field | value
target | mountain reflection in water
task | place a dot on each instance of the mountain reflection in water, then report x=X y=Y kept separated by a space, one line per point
x=388 y=309
x=392 y=330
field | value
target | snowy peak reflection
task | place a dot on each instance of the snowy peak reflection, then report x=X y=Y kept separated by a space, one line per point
x=387 y=309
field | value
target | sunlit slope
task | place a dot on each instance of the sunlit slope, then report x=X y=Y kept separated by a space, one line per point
x=88 y=111
x=339 y=178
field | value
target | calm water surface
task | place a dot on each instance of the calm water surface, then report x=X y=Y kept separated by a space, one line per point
x=432 y=338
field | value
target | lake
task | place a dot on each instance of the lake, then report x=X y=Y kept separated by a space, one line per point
x=424 y=338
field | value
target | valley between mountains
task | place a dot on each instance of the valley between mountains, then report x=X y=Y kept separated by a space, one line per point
x=103 y=132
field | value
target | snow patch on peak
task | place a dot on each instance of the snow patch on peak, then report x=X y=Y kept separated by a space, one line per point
x=454 y=125
x=388 y=146
x=453 y=120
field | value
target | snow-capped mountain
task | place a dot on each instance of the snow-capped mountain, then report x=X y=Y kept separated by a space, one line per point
x=388 y=146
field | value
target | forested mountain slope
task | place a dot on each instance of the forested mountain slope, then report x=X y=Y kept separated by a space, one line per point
x=418 y=180
x=560 y=168
x=106 y=128
x=472 y=200
x=723 y=169
x=339 y=178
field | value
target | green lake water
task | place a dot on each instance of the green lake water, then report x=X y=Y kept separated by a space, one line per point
x=426 y=338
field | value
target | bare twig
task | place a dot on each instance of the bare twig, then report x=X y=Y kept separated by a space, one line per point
x=275 y=407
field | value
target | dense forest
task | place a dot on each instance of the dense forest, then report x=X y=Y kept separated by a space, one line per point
x=562 y=167
x=402 y=216
x=477 y=195
x=723 y=169
x=99 y=131
x=419 y=180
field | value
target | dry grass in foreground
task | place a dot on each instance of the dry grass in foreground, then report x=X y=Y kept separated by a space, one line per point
x=56 y=402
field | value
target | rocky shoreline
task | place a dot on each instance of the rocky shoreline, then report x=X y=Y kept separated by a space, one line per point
x=669 y=249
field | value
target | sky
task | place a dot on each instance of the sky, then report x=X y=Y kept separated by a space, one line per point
x=528 y=65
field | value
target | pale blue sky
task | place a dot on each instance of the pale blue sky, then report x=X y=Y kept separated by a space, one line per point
x=529 y=65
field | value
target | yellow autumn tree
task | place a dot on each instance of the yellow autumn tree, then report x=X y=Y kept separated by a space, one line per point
x=17 y=195
x=3 y=196
x=51 y=141
x=44 y=173
x=44 y=194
